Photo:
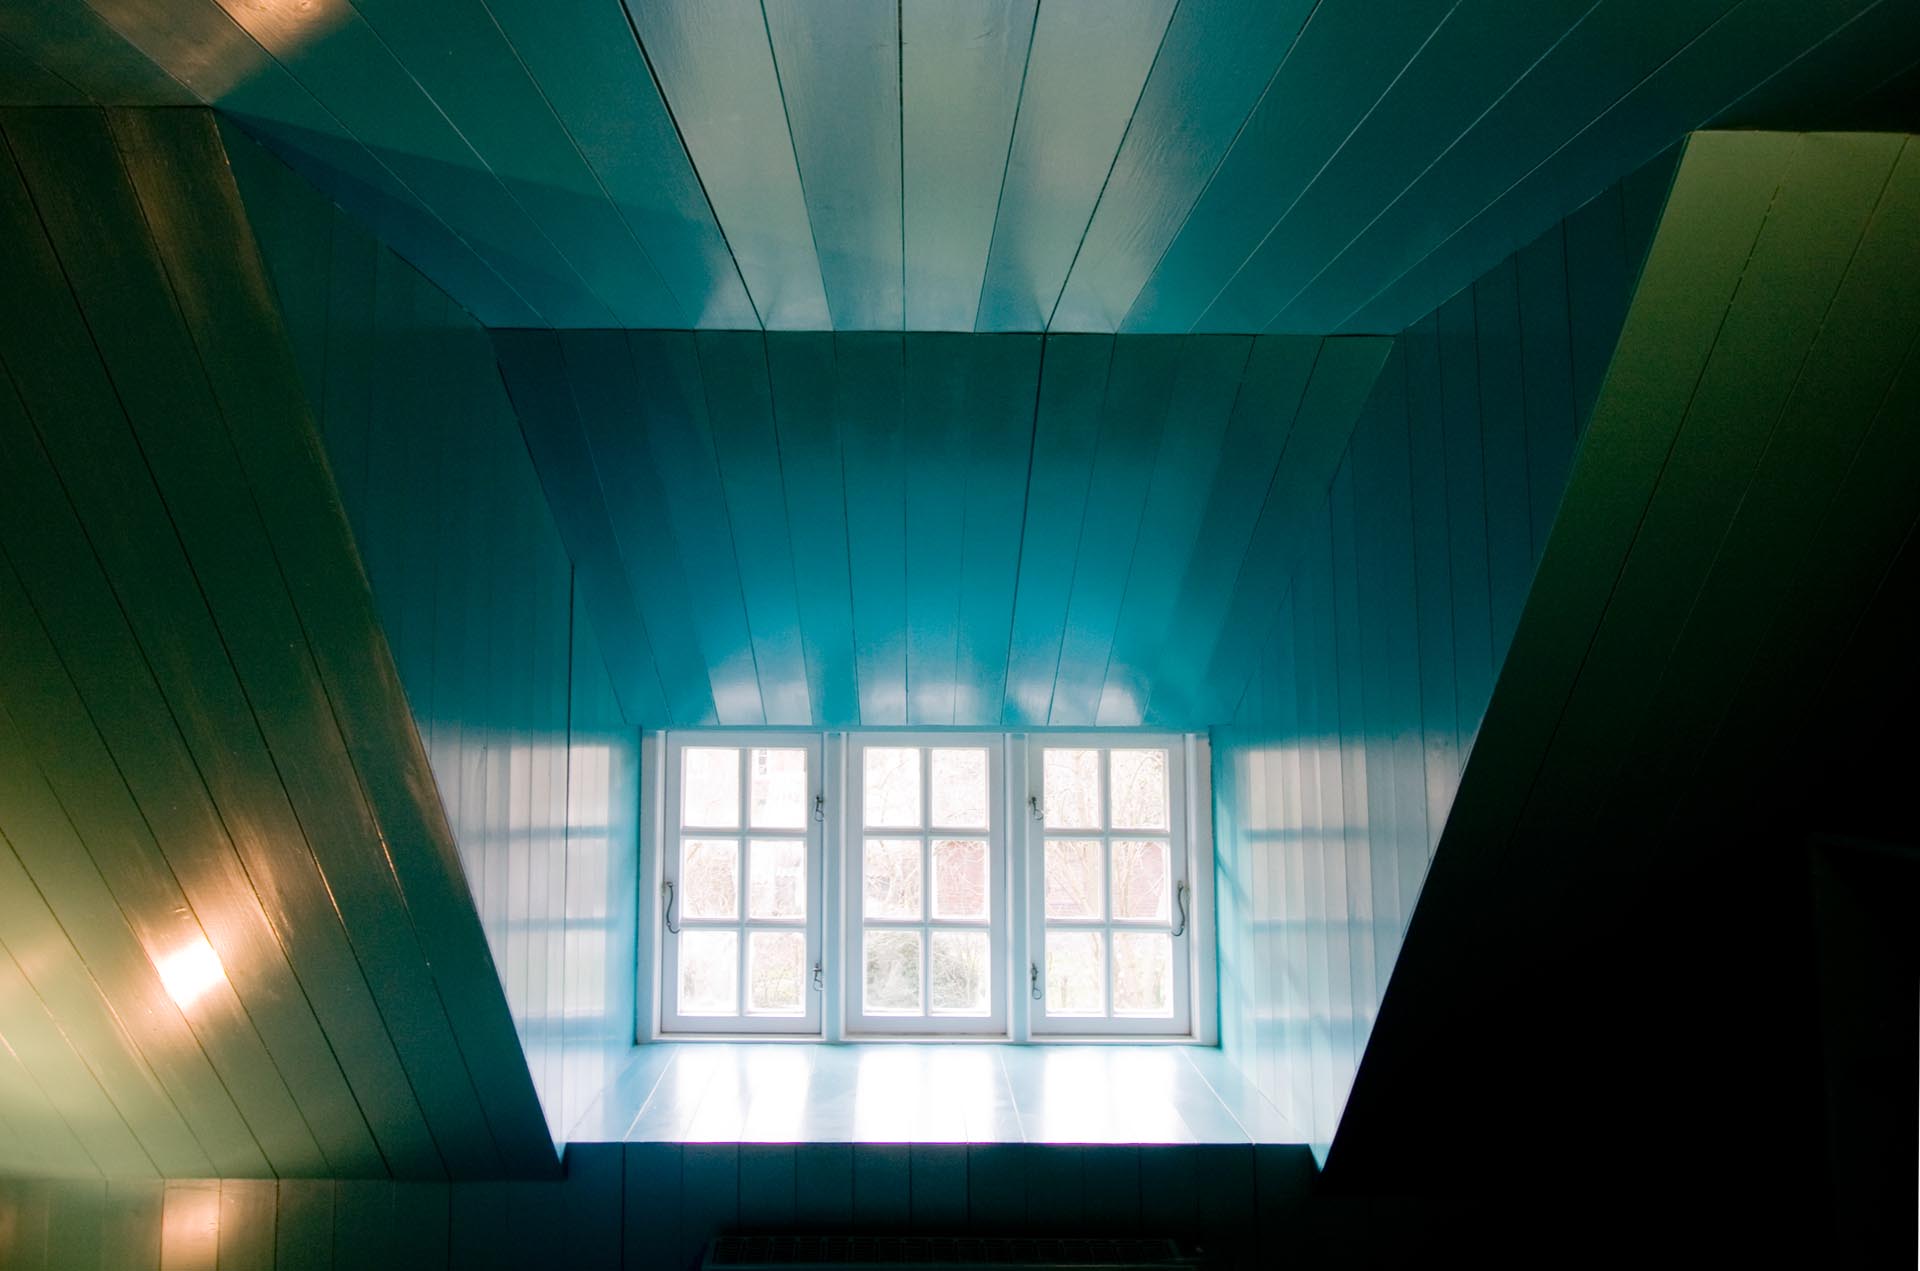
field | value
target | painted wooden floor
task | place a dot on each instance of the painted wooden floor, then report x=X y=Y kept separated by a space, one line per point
x=700 y=1092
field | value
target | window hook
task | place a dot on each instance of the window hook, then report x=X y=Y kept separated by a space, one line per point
x=666 y=891
x=1033 y=978
x=1033 y=805
x=1180 y=895
x=820 y=808
x=819 y=976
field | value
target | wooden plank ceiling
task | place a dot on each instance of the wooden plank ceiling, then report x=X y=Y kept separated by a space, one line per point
x=235 y=938
x=804 y=528
x=1715 y=659
x=1163 y=166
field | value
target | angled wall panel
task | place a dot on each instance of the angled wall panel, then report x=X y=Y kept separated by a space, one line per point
x=1714 y=662
x=1362 y=698
x=502 y=666
x=236 y=899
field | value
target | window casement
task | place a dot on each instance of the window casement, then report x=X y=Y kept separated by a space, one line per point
x=741 y=884
x=1109 y=904
x=891 y=884
x=926 y=881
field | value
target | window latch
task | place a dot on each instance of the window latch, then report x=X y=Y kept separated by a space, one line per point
x=1033 y=806
x=666 y=894
x=820 y=808
x=819 y=977
x=1033 y=979
x=1180 y=896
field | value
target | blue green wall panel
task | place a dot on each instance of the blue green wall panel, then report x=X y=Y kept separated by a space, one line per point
x=210 y=750
x=1402 y=588
x=937 y=528
x=500 y=658
x=656 y=1207
x=1731 y=577
x=1151 y=166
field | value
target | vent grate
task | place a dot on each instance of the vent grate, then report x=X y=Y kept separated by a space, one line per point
x=929 y=1253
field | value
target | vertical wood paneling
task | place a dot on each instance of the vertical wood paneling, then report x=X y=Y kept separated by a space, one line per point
x=673 y=419
x=1183 y=472
x=1005 y=381
x=1424 y=110
x=804 y=377
x=504 y=672
x=1366 y=691
x=1213 y=63
x=938 y=528
x=229 y=740
x=1264 y=416
x=1710 y=598
x=1333 y=76
x=1066 y=424
x=869 y=405
x=653 y=1207
x=962 y=67
x=937 y=423
x=1132 y=417
x=1084 y=74
x=1237 y=166
x=716 y=67
x=841 y=63
x=734 y=368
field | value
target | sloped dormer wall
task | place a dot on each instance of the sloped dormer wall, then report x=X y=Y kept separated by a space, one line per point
x=1336 y=775
x=535 y=762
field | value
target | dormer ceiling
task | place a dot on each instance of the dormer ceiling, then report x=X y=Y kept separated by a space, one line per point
x=1237 y=166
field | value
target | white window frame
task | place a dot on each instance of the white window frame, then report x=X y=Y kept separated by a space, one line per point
x=834 y=882
x=670 y=832
x=1184 y=870
x=855 y=1020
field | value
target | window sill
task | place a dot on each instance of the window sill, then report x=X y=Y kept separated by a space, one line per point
x=931 y=1092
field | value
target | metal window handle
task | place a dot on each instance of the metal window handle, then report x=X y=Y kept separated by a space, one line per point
x=1033 y=978
x=666 y=892
x=1033 y=805
x=820 y=808
x=819 y=977
x=1180 y=895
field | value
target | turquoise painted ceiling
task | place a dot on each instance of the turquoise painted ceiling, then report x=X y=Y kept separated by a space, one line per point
x=1158 y=166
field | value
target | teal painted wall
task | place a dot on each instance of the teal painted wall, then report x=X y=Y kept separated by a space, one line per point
x=535 y=763
x=655 y=1206
x=931 y=529
x=206 y=751
x=1336 y=775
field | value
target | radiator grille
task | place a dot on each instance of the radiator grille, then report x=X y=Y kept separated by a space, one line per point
x=931 y=1253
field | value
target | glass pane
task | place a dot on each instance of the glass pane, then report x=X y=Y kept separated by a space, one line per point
x=776 y=972
x=777 y=879
x=710 y=878
x=709 y=961
x=893 y=973
x=960 y=879
x=1142 y=973
x=959 y=793
x=891 y=868
x=960 y=967
x=1070 y=789
x=1073 y=878
x=710 y=787
x=1074 y=967
x=893 y=785
x=777 y=789
x=1139 y=779
x=1140 y=879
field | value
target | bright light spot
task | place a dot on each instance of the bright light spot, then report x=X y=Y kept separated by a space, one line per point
x=189 y=971
x=190 y=1224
